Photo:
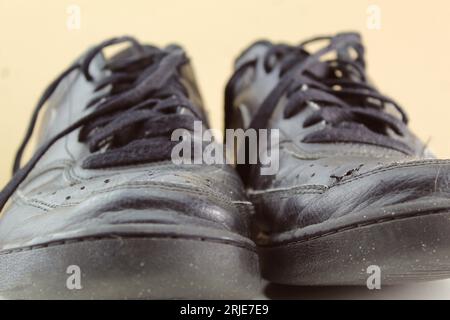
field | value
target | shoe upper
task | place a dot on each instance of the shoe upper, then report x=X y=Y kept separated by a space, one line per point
x=103 y=162
x=345 y=150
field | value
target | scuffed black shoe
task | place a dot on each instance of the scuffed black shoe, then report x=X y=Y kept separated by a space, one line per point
x=355 y=187
x=101 y=211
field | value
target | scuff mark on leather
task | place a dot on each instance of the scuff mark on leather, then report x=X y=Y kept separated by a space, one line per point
x=349 y=173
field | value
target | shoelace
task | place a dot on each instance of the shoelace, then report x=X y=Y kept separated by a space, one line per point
x=353 y=110
x=132 y=121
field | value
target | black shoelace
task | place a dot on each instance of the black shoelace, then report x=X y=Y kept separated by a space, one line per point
x=132 y=123
x=353 y=110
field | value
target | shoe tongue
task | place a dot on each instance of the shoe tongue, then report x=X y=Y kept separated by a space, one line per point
x=256 y=49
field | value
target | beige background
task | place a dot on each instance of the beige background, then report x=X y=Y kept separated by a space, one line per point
x=409 y=58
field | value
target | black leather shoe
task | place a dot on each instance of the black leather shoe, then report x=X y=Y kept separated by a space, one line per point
x=355 y=187
x=101 y=197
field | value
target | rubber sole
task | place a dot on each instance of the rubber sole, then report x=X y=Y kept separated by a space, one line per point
x=405 y=248
x=131 y=268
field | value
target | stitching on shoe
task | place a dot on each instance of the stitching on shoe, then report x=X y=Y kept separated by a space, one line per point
x=271 y=193
x=60 y=164
x=318 y=189
x=307 y=155
x=136 y=185
x=19 y=198
x=112 y=237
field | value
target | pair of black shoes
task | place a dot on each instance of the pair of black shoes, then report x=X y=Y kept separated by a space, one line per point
x=103 y=210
